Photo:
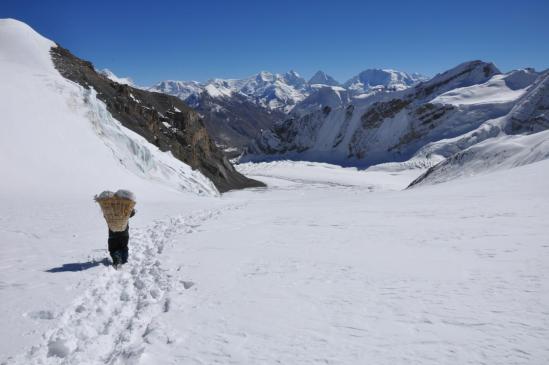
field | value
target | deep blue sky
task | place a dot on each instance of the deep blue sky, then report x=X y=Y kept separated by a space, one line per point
x=156 y=40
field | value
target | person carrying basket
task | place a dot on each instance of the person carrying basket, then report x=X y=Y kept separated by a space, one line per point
x=117 y=209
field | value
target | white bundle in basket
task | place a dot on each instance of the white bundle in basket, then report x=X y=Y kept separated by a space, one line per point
x=125 y=194
x=104 y=195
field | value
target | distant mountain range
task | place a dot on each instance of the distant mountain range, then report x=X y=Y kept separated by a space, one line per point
x=284 y=91
x=236 y=110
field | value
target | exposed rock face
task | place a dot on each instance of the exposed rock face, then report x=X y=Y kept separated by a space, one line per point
x=381 y=110
x=233 y=122
x=163 y=120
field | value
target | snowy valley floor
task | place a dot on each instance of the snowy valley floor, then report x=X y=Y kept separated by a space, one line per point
x=326 y=266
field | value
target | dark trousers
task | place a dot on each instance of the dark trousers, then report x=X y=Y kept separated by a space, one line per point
x=118 y=248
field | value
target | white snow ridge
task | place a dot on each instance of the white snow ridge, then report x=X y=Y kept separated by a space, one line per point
x=58 y=138
x=113 y=77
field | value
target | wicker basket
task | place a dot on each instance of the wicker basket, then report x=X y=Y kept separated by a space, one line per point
x=116 y=211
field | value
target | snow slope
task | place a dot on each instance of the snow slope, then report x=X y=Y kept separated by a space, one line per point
x=499 y=89
x=323 y=96
x=454 y=273
x=497 y=153
x=520 y=137
x=58 y=138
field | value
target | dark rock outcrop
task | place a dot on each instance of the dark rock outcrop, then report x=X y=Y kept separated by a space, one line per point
x=379 y=111
x=163 y=120
x=234 y=121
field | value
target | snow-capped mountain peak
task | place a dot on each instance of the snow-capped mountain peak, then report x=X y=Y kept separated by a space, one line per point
x=264 y=76
x=217 y=91
x=292 y=73
x=320 y=77
x=181 y=89
x=292 y=78
x=272 y=91
x=282 y=92
x=382 y=78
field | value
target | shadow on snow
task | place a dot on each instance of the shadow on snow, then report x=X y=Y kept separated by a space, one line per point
x=79 y=266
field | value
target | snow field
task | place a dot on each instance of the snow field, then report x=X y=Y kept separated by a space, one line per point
x=327 y=272
x=326 y=265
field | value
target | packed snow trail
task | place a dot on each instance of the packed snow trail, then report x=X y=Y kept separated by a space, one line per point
x=112 y=322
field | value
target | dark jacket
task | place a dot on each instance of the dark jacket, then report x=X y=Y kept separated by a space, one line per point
x=119 y=240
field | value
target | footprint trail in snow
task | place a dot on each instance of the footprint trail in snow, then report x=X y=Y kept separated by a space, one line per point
x=115 y=319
